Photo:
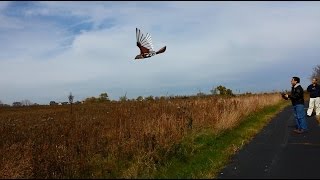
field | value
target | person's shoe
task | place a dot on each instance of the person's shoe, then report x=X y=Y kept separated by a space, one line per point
x=297 y=131
x=300 y=131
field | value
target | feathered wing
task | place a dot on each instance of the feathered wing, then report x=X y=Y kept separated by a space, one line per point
x=144 y=42
x=161 y=50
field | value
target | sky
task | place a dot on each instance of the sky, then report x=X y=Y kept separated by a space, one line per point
x=49 y=49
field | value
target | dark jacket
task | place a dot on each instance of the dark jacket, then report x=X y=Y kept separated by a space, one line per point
x=314 y=90
x=296 y=95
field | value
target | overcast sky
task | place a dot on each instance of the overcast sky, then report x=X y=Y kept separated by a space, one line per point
x=49 y=49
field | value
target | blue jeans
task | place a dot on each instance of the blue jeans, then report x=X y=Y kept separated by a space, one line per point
x=300 y=117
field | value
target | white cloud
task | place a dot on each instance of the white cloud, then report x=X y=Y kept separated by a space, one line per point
x=4 y=4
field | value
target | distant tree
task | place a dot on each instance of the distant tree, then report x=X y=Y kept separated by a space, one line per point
x=149 y=98
x=186 y=97
x=4 y=105
x=53 y=103
x=214 y=91
x=91 y=100
x=1 y=104
x=103 y=97
x=229 y=92
x=221 y=90
x=123 y=98
x=316 y=73
x=77 y=102
x=224 y=91
x=26 y=102
x=16 y=104
x=139 y=98
x=171 y=96
x=200 y=94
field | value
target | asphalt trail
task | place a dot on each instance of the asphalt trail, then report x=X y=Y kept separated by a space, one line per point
x=277 y=152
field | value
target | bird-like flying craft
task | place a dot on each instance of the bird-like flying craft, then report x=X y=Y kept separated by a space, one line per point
x=145 y=45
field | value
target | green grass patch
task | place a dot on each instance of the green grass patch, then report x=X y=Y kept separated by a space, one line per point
x=205 y=154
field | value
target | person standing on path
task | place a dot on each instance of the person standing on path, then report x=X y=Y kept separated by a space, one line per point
x=297 y=101
x=314 y=103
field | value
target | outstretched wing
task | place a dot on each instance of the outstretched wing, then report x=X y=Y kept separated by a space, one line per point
x=162 y=50
x=144 y=42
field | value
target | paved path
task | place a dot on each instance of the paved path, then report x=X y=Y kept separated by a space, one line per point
x=277 y=152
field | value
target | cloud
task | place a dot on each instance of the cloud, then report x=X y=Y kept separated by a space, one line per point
x=88 y=47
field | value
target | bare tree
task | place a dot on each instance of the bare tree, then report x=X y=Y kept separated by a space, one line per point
x=70 y=97
x=123 y=98
x=316 y=72
x=214 y=91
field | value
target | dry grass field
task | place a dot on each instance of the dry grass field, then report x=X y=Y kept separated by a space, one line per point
x=110 y=140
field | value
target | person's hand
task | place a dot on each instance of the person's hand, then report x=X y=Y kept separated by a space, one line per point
x=285 y=96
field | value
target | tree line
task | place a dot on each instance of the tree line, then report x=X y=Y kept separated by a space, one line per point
x=104 y=97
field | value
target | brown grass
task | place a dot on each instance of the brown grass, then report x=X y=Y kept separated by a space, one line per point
x=110 y=140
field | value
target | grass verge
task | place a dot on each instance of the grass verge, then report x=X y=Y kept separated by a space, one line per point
x=204 y=154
